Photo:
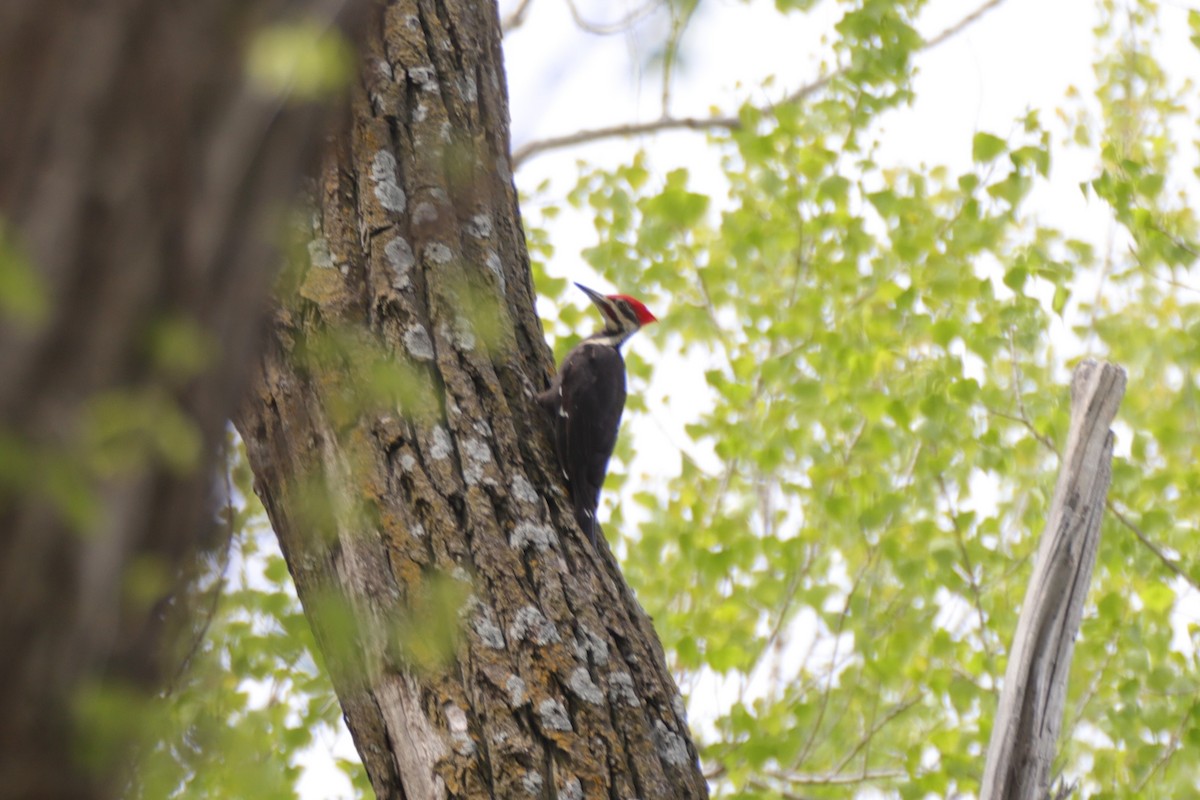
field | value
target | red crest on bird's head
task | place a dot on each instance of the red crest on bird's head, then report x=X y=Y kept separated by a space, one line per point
x=623 y=314
x=643 y=314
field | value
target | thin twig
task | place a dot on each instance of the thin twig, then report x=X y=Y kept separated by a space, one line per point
x=774 y=643
x=762 y=785
x=875 y=728
x=1167 y=561
x=837 y=639
x=805 y=779
x=215 y=591
x=517 y=18
x=680 y=17
x=837 y=779
x=959 y=26
x=527 y=151
x=968 y=567
x=1098 y=677
x=1106 y=270
x=1041 y=437
x=1175 y=240
x=730 y=122
x=1023 y=417
x=620 y=26
x=1171 y=749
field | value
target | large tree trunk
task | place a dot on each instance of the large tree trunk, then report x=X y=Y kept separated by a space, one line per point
x=140 y=175
x=396 y=445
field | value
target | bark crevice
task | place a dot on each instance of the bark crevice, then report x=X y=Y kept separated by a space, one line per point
x=466 y=487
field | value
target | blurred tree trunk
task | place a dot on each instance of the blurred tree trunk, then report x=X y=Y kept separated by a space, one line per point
x=141 y=177
x=397 y=448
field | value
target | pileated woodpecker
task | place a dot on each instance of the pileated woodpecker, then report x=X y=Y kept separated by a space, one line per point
x=586 y=399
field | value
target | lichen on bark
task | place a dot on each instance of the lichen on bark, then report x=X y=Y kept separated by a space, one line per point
x=396 y=443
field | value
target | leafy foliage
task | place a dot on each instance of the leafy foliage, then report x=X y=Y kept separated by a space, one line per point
x=840 y=560
x=886 y=399
x=251 y=699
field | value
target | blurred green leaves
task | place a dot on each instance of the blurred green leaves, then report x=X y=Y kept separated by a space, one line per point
x=884 y=351
x=985 y=147
x=127 y=430
x=178 y=348
x=24 y=299
x=429 y=628
x=303 y=59
x=251 y=696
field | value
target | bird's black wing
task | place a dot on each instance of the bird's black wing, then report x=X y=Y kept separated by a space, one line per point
x=593 y=397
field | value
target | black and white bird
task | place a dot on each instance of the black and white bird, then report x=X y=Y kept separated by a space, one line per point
x=586 y=399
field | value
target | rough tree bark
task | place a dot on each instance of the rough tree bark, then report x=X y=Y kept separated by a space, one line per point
x=558 y=686
x=139 y=178
x=1025 y=733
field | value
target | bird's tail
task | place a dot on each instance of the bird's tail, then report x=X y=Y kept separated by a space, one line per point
x=585 y=515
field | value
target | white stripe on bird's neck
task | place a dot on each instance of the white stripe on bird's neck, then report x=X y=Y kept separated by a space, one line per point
x=612 y=339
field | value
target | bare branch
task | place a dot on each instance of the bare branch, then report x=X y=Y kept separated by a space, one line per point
x=796 y=779
x=1175 y=240
x=961 y=25
x=968 y=568
x=1041 y=437
x=728 y=122
x=837 y=638
x=517 y=18
x=620 y=26
x=1171 y=749
x=527 y=151
x=761 y=785
x=875 y=728
x=803 y=779
x=780 y=779
x=1167 y=561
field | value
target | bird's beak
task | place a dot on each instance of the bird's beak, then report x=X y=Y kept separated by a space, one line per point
x=600 y=300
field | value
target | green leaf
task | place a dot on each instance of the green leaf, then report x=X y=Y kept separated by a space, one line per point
x=1157 y=597
x=675 y=205
x=1015 y=278
x=985 y=147
x=1061 y=295
x=24 y=298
